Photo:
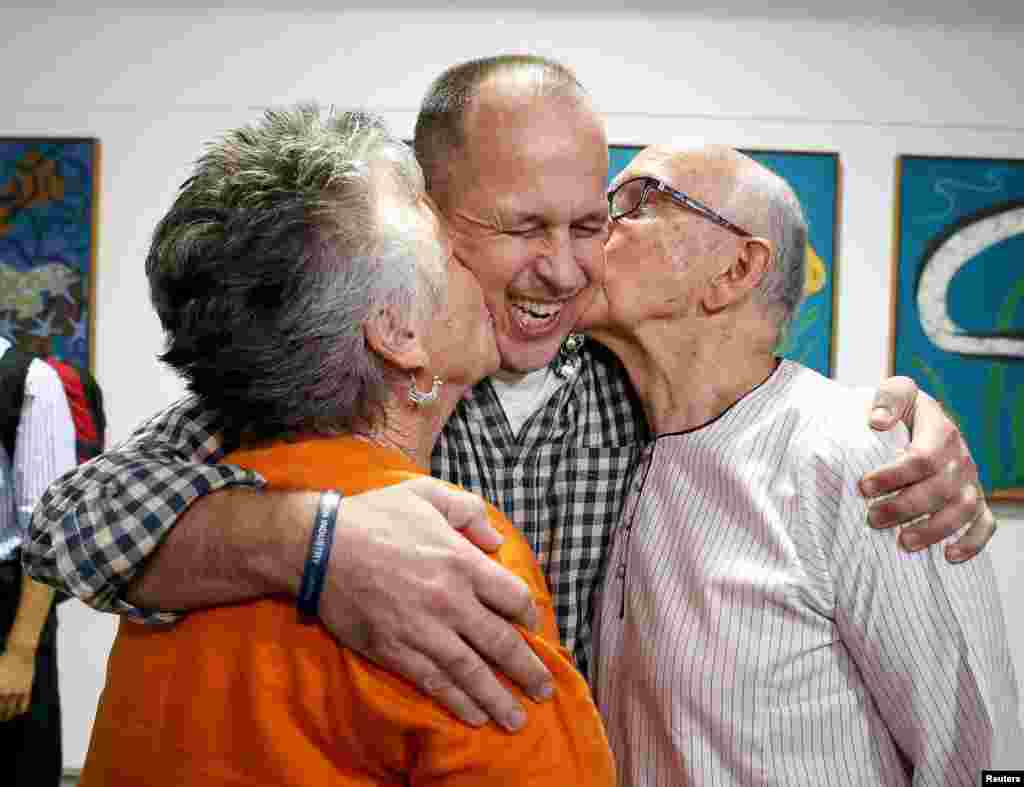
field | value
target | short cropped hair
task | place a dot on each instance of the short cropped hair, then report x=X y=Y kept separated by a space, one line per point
x=776 y=213
x=440 y=125
x=782 y=287
x=271 y=259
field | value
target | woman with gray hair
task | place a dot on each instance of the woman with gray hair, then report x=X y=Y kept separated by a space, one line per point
x=306 y=287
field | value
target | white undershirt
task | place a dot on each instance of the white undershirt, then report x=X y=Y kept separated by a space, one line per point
x=523 y=395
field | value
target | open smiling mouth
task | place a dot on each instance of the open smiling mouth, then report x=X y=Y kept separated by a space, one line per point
x=535 y=316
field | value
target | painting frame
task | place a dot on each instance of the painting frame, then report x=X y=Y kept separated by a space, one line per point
x=813 y=339
x=956 y=330
x=49 y=220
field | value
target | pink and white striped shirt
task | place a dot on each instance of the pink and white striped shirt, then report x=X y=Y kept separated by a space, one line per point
x=753 y=630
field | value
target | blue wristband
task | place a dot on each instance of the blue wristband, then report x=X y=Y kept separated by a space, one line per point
x=320 y=542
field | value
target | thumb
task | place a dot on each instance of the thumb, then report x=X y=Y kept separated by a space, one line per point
x=893 y=402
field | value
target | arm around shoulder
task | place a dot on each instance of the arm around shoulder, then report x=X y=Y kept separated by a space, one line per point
x=95 y=527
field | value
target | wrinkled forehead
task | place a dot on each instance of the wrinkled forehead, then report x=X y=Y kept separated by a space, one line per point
x=693 y=172
x=654 y=162
x=508 y=134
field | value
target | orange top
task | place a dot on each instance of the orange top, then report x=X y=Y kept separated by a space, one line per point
x=248 y=695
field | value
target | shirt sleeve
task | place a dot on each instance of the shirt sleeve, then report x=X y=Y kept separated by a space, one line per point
x=95 y=527
x=928 y=637
x=44 y=447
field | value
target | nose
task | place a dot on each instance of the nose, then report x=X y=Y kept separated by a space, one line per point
x=563 y=267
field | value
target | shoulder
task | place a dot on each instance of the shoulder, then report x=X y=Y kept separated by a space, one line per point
x=187 y=423
x=833 y=422
x=600 y=364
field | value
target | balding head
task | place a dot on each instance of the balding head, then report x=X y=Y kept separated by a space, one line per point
x=752 y=197
x=505 y=82
x=766 y=205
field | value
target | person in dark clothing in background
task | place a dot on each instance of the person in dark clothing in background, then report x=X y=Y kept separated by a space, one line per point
x=38 y=445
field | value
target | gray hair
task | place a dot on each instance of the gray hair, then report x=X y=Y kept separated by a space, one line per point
x=271 y=259
x=780 y=217
x=440 y=125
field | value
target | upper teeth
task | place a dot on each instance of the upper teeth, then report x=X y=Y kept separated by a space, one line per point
x=538 y=308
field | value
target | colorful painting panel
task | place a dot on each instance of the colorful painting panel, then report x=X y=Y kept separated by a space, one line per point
x=815 y=179
x=47 y=245
x=958 y=302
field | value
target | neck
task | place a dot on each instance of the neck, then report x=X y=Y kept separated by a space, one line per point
x=414 y=430
x=686 y=383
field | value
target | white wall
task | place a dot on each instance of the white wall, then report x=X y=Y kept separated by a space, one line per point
x=152 y=85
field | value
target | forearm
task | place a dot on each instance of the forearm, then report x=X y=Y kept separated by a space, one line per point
x=33 y=609
x=94 y=529
x=229 y=546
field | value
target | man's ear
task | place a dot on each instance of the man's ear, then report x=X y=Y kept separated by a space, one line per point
x=395 y=339
x=753 y=259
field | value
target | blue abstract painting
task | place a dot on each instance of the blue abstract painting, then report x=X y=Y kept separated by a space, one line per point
x=815 y=179
x=959 y=301
x=47 y=242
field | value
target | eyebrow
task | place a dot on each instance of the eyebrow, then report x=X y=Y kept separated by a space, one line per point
x=594 y=215
x=514 y=219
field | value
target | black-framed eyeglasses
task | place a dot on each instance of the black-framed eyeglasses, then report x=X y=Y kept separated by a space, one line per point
x=628 y=197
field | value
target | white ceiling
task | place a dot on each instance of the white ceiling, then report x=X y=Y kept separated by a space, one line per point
x=993 y=14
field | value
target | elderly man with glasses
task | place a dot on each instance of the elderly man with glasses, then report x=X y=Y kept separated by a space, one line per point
x=750 y=629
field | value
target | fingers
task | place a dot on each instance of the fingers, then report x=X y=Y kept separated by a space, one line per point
x=946 y=456
x=949 y=515
x=486 y=641
x=975 y=539
x=951 y=489
x=460 y=665
x=431 y=680
x=935 y=442
x=447 y=668
x=961 y=510
x=935 y=481
x=464 y=511
x=407 y=591
x=502 y=645
x=894 y=400
x=13 y=704
x=504 y=592
x=955 y=502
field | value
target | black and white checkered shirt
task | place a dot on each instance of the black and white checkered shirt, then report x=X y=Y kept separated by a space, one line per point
x=561 y=480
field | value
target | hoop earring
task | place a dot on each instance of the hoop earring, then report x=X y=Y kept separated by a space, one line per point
x=420 y=399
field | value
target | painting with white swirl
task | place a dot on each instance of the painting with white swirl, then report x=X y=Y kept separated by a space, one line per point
x=47 y=243
x=959 y=301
